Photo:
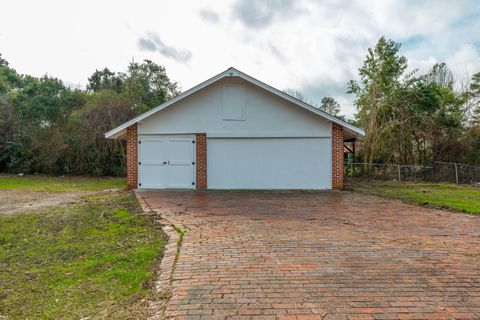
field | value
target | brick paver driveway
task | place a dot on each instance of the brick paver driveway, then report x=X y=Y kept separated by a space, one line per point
x=320 y=255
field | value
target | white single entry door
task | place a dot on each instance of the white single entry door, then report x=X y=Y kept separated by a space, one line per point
x=269 y=163
x=166 y=162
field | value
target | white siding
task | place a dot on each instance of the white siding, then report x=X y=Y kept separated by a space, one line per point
x=233 y=103
x=265 y=115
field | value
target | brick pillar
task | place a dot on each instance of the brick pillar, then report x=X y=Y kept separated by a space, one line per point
x=337 y=156
x=201 y=162
x=132 y=157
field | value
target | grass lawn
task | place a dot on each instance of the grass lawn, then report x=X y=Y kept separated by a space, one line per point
x=462 y=198
x=68 y=183
x=93 y=259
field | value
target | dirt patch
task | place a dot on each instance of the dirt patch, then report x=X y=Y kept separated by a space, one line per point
x=12 y=201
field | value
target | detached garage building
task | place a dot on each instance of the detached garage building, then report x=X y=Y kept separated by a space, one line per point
x=235 y=132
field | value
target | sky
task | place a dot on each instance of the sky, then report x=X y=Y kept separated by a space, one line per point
x=314 y=47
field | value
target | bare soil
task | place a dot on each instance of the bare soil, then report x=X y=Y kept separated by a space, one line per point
x=17 y=200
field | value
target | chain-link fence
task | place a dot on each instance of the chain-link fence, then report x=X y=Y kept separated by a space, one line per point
x=437 y=172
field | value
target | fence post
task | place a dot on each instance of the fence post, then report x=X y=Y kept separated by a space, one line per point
x=456 y=172
x=399 y=175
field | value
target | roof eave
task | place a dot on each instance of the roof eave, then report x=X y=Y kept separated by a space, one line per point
x=113 y=134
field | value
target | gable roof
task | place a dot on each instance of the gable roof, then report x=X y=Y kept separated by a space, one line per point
x=232 y=72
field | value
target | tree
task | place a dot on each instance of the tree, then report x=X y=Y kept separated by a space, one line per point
x=330 y=106
x=407 y=118
x=442 y=120
x=106 y=80
x=46 y=100
x=10 y=80
x=441 y=75
x=471 y=137
x=474 y=94
x=147 y=85
x=88 y=151
x=115 y=99
x=375 y=92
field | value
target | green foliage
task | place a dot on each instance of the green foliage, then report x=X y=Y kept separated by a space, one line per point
x=44 y=100
x=92 y=153
x=147 y=85
x=408 y=118
x=379 y=79
x=47 y=127
x=19 y=157
x=9 y=79
x=86 y=260
x=105 y=80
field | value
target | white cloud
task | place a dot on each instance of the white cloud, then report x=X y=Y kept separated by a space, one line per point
x=313 y=46
x=209 y=15
x=466 y=60
x=259 y=14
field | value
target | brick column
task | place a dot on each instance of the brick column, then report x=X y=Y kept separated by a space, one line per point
x=132 y=157
x=201 y=161
x=337 y=156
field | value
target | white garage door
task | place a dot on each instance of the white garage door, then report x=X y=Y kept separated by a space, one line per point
x=269 y=163
x=166 y=161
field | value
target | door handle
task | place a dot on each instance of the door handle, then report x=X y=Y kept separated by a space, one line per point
x=164 y=162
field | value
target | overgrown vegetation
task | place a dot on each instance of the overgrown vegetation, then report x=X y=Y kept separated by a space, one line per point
x=411 y=118
x=47 y=127
x=89 y=260
x=455 y=197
